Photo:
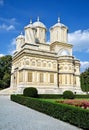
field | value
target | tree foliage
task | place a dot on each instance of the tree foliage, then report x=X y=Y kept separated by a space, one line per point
x=5 y=71
x=85 y=80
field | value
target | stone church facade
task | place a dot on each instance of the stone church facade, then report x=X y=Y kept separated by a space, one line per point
x=48 y=66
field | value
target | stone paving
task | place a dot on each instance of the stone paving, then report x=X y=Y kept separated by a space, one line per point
x=14 y=116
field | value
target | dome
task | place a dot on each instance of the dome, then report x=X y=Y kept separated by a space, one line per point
x=20 y=36
x=39 y=24
x=58 y=25
x=30 y=25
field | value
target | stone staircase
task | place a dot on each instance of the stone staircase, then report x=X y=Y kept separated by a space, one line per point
x=7 y=91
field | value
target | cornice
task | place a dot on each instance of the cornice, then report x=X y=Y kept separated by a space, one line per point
x=35 y=53
x=61 y=43
x=35 y=69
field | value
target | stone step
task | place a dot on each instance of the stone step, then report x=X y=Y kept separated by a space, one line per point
x=7 y=91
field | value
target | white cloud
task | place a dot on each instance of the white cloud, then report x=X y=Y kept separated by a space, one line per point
x=9 y=20
x=1 y=55
x=11 y=27
x=7 y=24
x=80 y=40
x=87 y=50
x=7 y=27
x=84 y=65
x=1 y=2
x=12 y=46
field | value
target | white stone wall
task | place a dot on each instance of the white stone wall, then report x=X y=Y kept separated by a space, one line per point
x=58 y=34
x=19 y=43
x=29 y=35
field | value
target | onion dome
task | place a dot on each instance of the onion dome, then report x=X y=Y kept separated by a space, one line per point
x=59 y=24
x=29 y=25
x=21 y=36
x=39 y=24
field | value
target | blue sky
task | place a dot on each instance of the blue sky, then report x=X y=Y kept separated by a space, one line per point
x=15 y=14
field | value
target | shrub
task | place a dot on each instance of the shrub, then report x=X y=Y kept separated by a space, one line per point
x=30 y=92
x=71 y=114
x=50 y=96
x=81 y=96
x=68 y=95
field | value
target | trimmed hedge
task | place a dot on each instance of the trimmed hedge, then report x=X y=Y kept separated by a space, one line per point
x=81 y=96
x=74 y=115
x=30 y=92
x=50 y=96
x=68 y=95
x=58 y=96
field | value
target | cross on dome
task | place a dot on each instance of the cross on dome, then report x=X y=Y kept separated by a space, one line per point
x=21 y=33
x=30 y=21
x=38 y=19
x=58 y=19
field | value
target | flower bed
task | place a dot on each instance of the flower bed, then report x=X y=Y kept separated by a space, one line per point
x=79 y=103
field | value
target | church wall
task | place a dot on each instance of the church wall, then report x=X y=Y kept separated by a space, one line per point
x=40 y=35
x=29 y=35
x=36 y=67
x=38 y=78
x=58 y=47
x=58 y=34
x=43 y=73
x=66 y=72
x=44 y=47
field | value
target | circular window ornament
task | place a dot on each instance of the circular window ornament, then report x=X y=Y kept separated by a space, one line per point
x=63 y=53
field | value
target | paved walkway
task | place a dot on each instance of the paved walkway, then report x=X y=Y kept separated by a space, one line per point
x=14 y=116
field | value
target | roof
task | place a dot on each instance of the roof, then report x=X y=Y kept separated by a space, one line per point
x=58 y=25
x=39 y=24
x=20 y=36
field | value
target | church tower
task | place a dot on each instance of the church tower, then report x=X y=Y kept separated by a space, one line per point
x=40 y=36
x=59 y=40
x=20 y=40
x=58 y=33
x=30 y=33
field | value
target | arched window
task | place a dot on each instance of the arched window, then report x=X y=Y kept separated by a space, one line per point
x=38 y=63
x=49 y=65
x=27 y=62
x=44 y=64
x=64 y=52
x=33 y=63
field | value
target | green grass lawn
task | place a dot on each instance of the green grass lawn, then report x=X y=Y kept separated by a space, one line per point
x=53 y=100
x=83 y=103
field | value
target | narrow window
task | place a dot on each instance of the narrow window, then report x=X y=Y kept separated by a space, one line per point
x=41 y=77
x=51 y=78
x=21 y=76
x=29 y=76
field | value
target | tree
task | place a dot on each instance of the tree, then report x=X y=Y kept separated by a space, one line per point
x=5 y=71
x=85 y=80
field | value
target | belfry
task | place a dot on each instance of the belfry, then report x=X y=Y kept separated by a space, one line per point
x=48 y=66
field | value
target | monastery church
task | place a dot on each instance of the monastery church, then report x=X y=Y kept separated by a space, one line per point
x=48 y=66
